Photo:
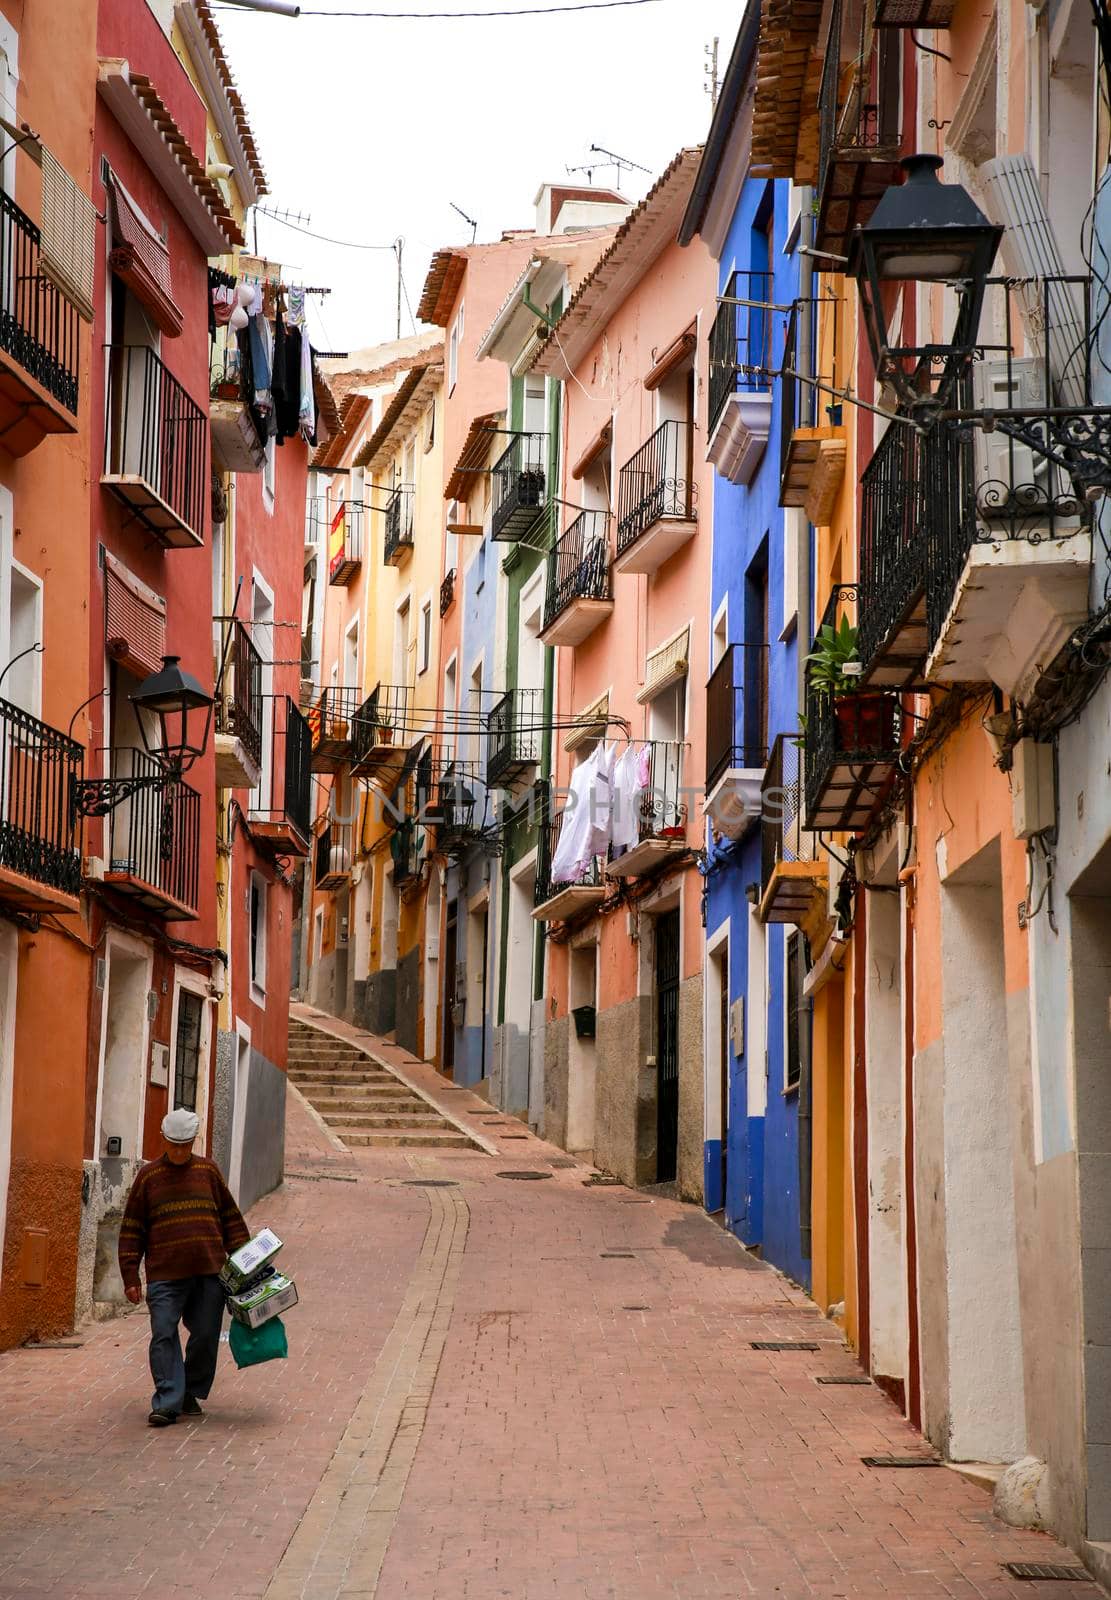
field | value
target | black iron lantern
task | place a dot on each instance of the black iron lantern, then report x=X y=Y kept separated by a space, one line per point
x=182 y=712
x=924 y=231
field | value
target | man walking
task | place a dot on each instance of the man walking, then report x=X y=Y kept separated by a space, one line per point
x=180 y=1215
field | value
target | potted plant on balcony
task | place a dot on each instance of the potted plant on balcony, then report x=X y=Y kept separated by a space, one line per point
x=864 y=718
x=530 y=487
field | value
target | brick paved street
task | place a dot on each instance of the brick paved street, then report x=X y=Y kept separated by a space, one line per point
x=535 y=1390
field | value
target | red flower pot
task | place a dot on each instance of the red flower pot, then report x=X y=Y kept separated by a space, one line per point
x=865 y=721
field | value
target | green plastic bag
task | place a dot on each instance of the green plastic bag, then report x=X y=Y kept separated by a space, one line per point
x=249 y=1346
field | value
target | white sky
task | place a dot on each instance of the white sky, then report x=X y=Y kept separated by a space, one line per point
x=374 y=127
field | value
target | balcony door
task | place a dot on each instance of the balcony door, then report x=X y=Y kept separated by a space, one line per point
x=667 y=1046
x=675 y=403
x=262 y=637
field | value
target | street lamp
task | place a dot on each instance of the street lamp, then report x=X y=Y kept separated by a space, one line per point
x=175 y=700
x=923 y=231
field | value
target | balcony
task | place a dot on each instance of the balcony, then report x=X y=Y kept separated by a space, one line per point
x=239 y=708
x=450 y=798
x=514 y=728
x=662 y=822
x=40 y=844
x=556 y=899
x=851 y=743
x=655 y=505
x=331 y=720
x=579 y=593
x=975 y=552
x=859 y=131
x=334 y=845
x=812 y=442
x=237 y=443
x=736 y=738
x=399 y=526
x=447 y=592
x=280 y=816
x=39 y=341
x=520 y=487
x=154 y=841
x=156 y=448
x=794 y=871
x=382 y=733
x=343 y=524
x=740 y=376
x=407 y=852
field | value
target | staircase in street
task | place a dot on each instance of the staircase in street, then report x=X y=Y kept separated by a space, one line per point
x=361 y=1101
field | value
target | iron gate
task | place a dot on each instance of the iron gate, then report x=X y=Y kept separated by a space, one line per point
x=667 y=1045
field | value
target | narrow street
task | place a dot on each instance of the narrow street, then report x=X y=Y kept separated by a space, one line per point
x=531 y=1388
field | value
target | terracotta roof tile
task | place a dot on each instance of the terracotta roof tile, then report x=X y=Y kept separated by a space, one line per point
x=235 y=100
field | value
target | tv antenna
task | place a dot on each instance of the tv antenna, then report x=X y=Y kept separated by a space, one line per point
x=470 y=221
x=611 y=160
x=710 y=69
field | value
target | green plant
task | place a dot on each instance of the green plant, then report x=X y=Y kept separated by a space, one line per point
x=829 y=662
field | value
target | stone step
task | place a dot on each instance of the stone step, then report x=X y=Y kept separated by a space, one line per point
x=383 y=1119
x=356 y=1090
x=346 y=1080
x=432 y=1139
x=297 y=1053
x=354 y=1110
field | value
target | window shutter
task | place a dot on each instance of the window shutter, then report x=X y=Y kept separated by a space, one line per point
x=67 y=248
x=134 y=620
x=665 y=666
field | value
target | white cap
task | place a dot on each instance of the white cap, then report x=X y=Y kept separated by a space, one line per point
x=180 y=1126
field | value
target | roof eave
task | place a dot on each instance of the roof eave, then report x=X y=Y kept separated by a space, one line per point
x=741 y=63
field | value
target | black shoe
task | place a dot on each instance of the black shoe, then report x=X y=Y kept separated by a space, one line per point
x=162 y=1419
x=191 y=1407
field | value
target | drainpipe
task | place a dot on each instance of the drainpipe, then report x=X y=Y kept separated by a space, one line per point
x=802 y=643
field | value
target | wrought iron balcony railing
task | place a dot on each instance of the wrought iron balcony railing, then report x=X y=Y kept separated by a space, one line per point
x=383 y=721
x=656 y=483
x=663 y=808
x=239 y=702
x=741 y=341
x=858 y=125
x=547 y=885
x=280 y=816
x=154 y=839
x=334 y=845
x=399 y=524
x=406 y=849
x=851 y=742
x=514 y=727
x=447 y=592
x=39 y=327
x=579 y=565
x=520 y=487
x=332 y=721
x=807 y=413
x=783 y=839
x=39 y=833
x=737 y=711
x=156 y=446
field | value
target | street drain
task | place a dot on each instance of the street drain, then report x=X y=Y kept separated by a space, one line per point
x=636 y=1308
x=514 y=1135
x=562 y=1161
x=784 y=1344
x=430 y=1183
x=857 y=1377
x=900 y=1461
x=601 y=1180
x=1047 y=1570
x=524 y=1175
x=617 y=1255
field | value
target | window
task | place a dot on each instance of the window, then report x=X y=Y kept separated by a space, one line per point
x=257 y=909
x=401 y=643
x=425 y=636
x=455 y=339
x=430 y=427
x=187 y=1049
x=797 y=1009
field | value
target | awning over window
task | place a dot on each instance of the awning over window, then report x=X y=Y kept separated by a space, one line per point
x=590 y=725
x=600 y=442
x=134 y=620
x=665 y=666
x=139 y=256
x=678 y=351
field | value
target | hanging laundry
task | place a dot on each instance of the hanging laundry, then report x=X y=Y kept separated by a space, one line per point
x=574 y=849
x=307 y=409
x=287 y=379
x=601 y=800
x=630 y=780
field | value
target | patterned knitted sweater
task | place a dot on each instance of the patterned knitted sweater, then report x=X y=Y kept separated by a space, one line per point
x=183 y=1219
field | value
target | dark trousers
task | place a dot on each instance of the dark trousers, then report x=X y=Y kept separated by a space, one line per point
x=199 y=1303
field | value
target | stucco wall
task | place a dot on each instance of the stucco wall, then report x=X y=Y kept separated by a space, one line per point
x=556 y=1052
x=625 y=1112
x=407 y=1023
x=263 y=1161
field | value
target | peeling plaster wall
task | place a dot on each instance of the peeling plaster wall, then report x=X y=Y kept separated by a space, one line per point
x=625 y=1112
x=690 y=1170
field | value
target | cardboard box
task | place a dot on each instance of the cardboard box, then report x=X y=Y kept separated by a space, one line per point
x=276 y=1294
x=249 y=1259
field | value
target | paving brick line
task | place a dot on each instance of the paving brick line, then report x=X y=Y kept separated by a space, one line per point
x=341 y=1543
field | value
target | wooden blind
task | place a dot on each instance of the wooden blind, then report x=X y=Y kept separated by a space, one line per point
x=666 y=665
x=134 y=620
x=67 y=250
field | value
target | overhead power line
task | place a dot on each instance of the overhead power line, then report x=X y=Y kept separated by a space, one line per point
x=453 y=16
x=344 y=244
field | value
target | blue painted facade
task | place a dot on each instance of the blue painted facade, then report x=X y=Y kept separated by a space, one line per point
x=761 y=1200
